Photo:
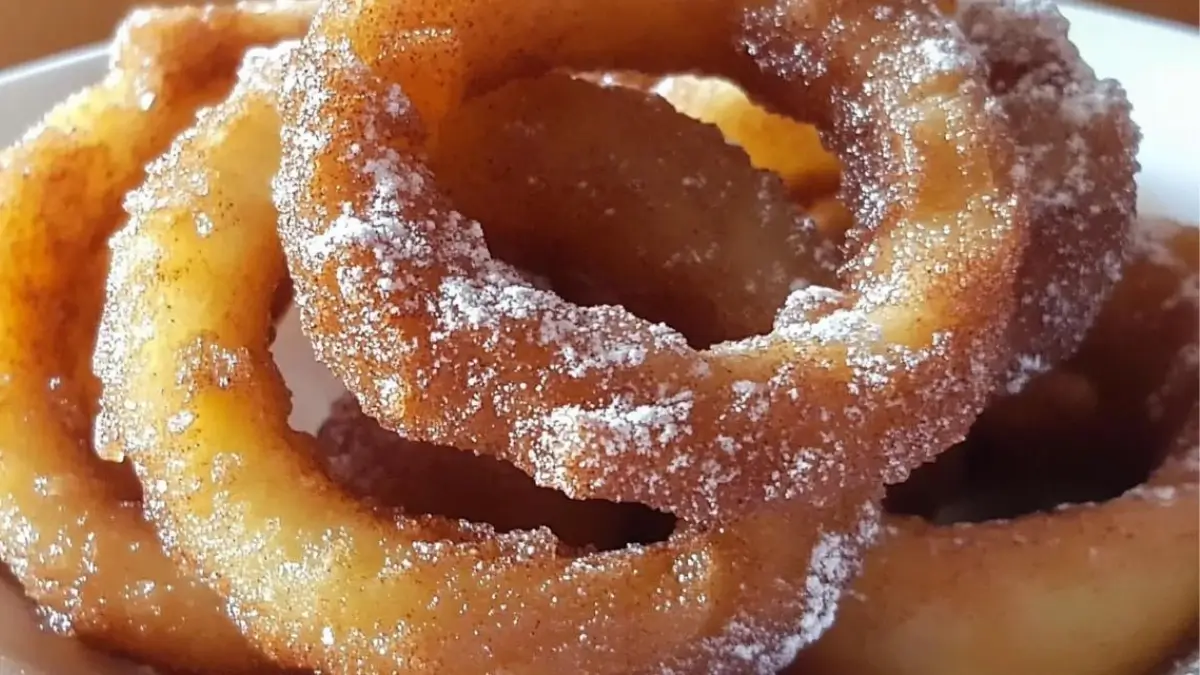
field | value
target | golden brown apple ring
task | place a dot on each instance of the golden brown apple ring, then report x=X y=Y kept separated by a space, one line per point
x=1139 y=364
x=1091 y=598
x=1104 y=589
x=318 y=579
x=71 y=528
x=1076 y=146
x=442 y=342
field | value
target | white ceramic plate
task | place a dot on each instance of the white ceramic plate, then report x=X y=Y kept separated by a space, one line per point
x=1158 y=63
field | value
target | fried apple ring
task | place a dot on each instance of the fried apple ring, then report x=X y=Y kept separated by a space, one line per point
x=320 y=580
x=442 y=342
x=1082 y=589
x=1076 y=147
x=772 y=142
x=1076 y=144
x=71 y=530
x=1145 y=395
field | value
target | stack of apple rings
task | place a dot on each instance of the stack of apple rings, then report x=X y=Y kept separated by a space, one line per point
x=640 y=377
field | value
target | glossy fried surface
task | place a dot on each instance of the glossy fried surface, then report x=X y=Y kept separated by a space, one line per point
x=1076 y=146
x=1079 y=589
x=361 y=552
x=70 y=525
x=304 y=565
x=408 y=307
x=1082 y=589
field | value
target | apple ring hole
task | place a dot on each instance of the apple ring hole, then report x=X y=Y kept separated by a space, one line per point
x=386 y=470
x=1061 y=449
x=610 y=196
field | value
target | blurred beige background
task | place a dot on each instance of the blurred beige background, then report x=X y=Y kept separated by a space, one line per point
x=33 y=28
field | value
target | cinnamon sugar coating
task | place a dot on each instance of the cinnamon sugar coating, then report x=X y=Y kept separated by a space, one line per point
x=860 y=373
x=1081 y=588
x=443 y=342
x=321 y=580
x=1076 y=148
x=71 y=528
x=375 y=464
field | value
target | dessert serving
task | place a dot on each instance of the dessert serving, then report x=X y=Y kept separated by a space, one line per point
x=644 y=374
x=73 y=533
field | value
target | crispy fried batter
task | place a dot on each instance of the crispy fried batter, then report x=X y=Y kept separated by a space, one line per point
x=1077 y=590
x=1076 y=155
x=1083 y=589
x=360 y=551
x=72 y=530
x=376 y=464
x=321 y=580
x=442 y=342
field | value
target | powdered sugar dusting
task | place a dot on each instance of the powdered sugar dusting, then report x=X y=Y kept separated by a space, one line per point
x=493 y=364
x=562 y=439
x=1075 y=144
x=834 y=563
x=168 y=188
x=747 y=645
x=73 y=527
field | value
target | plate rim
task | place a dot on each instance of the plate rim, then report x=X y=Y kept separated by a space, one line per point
x=1093 y=7
x=57 y=61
